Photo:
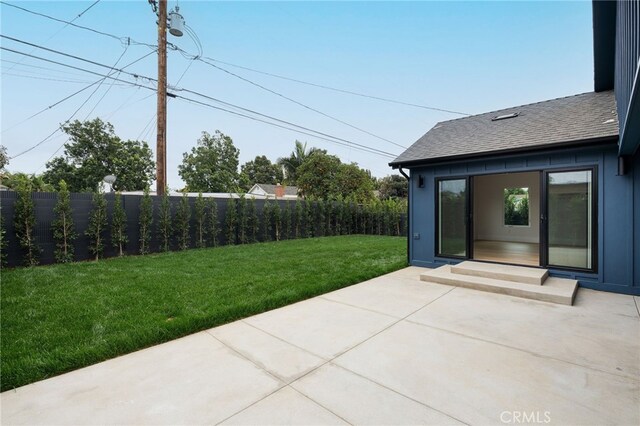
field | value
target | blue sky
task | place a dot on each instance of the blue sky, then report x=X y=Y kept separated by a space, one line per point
x=464 y=56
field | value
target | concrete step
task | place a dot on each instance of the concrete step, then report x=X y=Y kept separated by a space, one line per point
x=517 y=274
x=554 y=290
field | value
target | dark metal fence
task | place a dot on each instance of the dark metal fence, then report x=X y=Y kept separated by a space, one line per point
x=362 y=220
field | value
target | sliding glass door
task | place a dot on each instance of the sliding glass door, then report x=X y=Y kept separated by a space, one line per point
x=571 y=219
x=452 y=213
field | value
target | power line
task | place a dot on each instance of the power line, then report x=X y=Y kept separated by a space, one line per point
x=62 y=28
x=300 y=103
x=305 y=129
x=70 y=23
x=282 y=77
x=99 y=82
x=349 y=92
x=72 y=115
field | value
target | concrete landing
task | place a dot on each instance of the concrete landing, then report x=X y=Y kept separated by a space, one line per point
x=502 y=272
x=555 y=290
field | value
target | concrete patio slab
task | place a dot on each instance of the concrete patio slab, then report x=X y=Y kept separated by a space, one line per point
x=541 y=328
x=285 y=407
x=363 y=402
x=278 y=357
x=193 y=380
x=476 y=381
x=321 y=326
x=395 y=296
x=392 y=350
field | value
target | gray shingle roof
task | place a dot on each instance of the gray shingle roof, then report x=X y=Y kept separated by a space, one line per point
x=271 y=189
x=588 y=116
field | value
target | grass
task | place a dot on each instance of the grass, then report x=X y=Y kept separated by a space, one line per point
x=62 y=317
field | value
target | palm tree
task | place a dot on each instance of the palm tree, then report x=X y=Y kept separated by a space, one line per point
x=298 y=156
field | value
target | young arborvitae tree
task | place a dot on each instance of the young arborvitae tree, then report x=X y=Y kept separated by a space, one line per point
x=97 y=225
x=299 y=219
x=276 y=214
x=201 y=221
x=231 y=222
x=25 y=222
x=267 y=226
x=320 y=218
x=3 y=242
x=213 y=228
x=182 y=218
x=337 y=217
x=164 y=223
x=308 y=218
x=327 y=208
x=286 y=221
x=253 y=223
x=146 y=221
x=119 y=236
x=63 y=229
x=243 y=237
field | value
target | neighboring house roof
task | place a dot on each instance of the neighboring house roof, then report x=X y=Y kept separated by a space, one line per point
x=586 y=117
x=269 y=189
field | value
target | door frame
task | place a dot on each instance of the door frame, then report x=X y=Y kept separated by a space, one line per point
x=544 y=218
x=468 y=215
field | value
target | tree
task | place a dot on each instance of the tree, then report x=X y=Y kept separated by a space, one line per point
x=182 y=218
x=253 y=222
x=4 y=157
x=352 y=182
x=94 y=151
x=393 y=186
x=297 y=157
x=242 y=220
x=231 y=221
x=267 y=221
x=164 y=222
x=35 y=182
x=146 y=221
x=201 y=221
x=3 y=243
x=119 y=225
x=97 y=224
x=25 y=222
x=260 y=170
x=316 y=177
x=213 y=226
x=286 y=221
x=276 y=214
x=212 y=165
x=63 y=228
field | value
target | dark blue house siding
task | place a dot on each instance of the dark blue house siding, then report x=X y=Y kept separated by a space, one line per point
x=618 y=210
x=627 y=54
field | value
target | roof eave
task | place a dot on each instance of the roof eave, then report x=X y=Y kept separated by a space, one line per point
x=478 y=155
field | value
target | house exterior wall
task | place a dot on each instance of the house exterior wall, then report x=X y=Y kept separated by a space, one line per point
x=618 y=242
x=627 y=55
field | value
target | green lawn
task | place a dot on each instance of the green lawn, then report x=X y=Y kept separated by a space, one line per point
x=62 y=317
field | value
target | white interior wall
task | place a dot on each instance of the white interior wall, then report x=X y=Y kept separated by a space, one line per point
x=488 y=207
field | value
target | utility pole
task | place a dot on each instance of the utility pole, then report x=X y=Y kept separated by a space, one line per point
x=161 y=144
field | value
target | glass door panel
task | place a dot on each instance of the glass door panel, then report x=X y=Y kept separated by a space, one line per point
x=570 y=202
x=452 y=218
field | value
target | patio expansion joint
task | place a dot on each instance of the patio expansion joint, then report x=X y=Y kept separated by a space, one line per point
x=318 y=404
x=359 y=307
x=287 y=342
x=538 y=355
x=397 y=392
x=398 y=320
x=635 y=301
x=240 y=354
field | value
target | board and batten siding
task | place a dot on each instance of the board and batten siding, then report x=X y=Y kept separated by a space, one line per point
x=618 y=243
